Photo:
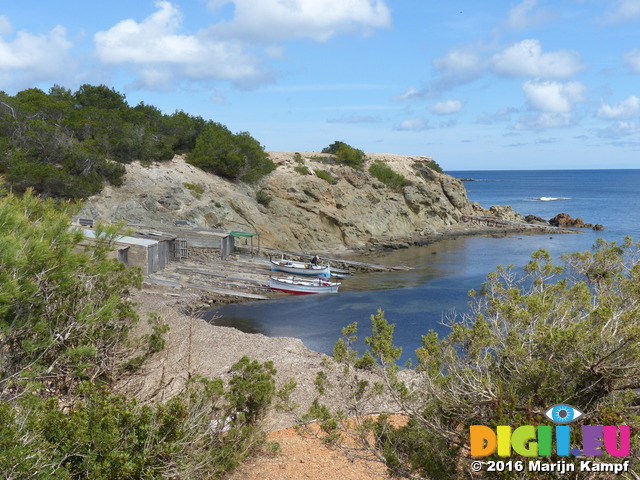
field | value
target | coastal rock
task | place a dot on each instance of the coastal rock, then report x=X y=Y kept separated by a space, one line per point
x=305 y=212
x=535 y=220
x=503 y=212
x=565 y=220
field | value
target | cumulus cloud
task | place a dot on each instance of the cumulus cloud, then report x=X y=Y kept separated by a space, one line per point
x=413 y=124
x=159 y=54
x=27 y=58
x=527 y=59
x=624 y=11
x=626 y=109
x=446 y=108
x=276 y=20
x=632 y=60
x=553 y=97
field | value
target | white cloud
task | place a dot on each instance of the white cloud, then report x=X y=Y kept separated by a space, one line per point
x=626 y=109
x=28 y=58
x=413 y=124
x=543 y=121
x=160 y=55
x=5 y=25
x=458 y=67
x=286 y=19
x=632 y=60
x=624 y=11
x=527 y=59
x=446 y=108
x=619 y=130
x=523 y=15
x=553 y=97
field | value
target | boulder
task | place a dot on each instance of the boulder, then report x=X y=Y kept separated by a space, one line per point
x=535 y=220
x=565 y=220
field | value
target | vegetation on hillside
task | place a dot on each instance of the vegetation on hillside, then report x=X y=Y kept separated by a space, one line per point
x=345 y=154
x=549 y=335
x=68 y=144
x=386 y=175
x=65 y=320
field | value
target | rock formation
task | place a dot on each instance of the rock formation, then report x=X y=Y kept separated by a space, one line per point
x=565 y=220
x=297 y=209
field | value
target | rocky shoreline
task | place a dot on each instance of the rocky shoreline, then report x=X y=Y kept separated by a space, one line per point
x=196 y=348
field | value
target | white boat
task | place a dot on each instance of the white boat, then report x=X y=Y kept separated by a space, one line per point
x=300 y=268
x=299 y=286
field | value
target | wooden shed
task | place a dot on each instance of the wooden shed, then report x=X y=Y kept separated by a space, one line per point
x=139 y=252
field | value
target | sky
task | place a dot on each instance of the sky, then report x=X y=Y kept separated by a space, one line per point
x=529 y=84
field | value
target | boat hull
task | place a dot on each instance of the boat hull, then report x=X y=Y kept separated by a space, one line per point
x=298 y=268
x=302 y=287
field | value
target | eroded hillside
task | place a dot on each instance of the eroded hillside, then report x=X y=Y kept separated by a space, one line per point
x=298 y=209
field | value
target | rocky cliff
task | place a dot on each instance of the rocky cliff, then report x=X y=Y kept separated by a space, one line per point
x=298 y=210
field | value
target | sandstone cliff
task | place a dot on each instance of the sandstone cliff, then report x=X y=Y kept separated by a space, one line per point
x=299 y=211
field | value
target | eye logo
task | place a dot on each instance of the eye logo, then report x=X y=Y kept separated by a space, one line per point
x=563 y=413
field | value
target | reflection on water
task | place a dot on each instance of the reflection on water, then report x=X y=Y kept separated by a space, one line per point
x=415 y=300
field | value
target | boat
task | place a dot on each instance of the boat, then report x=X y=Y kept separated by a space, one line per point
x=299 y=286
x=300 y=268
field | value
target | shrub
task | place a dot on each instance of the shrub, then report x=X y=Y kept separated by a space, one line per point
x=547 y=335
x=219 y=151
x=386 y=175
x=326 y=176
x=197 y=189
x=302 y=169
x=346 y=155
x=263 y=198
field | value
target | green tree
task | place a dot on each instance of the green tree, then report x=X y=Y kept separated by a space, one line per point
x=346 y=154
x=65 y=318
x=63 y=313
x=232 y=156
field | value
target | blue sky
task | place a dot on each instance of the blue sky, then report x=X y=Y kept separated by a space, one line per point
x=528 y=84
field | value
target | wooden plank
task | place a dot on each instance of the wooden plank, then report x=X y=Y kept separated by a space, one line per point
x=164 y=283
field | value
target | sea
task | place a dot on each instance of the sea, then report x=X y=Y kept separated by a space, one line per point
x=441 y=275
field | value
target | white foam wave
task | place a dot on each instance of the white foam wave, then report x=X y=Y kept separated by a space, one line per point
x=552 y=199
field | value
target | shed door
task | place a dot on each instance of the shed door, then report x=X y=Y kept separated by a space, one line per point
x=152 y=259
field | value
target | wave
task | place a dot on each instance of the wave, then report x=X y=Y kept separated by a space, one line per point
x=550 y=199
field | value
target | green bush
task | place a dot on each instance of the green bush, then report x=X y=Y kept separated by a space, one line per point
x=219 y=151
x=326 y=176
x=263 y=198
x=302 y=169
x=345 y=154
x=202 y=433
x=196 y=188
x=386 y=175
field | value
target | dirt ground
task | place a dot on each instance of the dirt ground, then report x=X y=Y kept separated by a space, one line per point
x=195 y=347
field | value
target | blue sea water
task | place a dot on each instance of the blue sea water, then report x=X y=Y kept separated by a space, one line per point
x=442 y=273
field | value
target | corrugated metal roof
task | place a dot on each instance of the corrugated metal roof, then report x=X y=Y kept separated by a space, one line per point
x=124 y=239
